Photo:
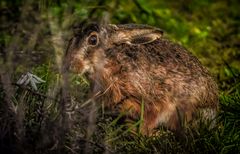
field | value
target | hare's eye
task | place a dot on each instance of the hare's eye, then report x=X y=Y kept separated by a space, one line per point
x=93 y=40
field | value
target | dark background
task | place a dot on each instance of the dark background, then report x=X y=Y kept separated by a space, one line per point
x=34 y=36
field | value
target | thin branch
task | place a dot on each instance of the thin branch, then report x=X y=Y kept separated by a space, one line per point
x=34 y=92
x=140 y=7
x=230 y=69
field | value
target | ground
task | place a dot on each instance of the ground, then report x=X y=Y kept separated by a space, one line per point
x=57 y=118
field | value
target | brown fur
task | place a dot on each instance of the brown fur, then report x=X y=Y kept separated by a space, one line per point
x=164 y=76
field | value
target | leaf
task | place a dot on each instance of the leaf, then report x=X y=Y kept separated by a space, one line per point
x=30 y=78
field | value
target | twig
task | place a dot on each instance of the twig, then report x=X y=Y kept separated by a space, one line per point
x=140 y=7
x=33 y=91
x=230 y=69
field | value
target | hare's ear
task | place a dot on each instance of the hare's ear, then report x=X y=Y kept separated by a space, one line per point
x=134 y=34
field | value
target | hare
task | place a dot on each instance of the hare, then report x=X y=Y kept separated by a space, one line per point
x=132 y=65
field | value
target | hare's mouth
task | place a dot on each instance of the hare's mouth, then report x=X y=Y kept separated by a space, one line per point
x=79 y=67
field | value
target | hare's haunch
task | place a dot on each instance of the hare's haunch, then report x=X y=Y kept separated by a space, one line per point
x=133 y=64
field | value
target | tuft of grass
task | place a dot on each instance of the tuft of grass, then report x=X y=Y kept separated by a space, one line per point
x=53 y=119
x=42 y=125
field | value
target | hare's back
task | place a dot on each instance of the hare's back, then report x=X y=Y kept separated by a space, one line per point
x=160 y=55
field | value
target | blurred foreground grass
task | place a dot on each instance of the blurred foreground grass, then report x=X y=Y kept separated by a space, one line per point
x=57 y=118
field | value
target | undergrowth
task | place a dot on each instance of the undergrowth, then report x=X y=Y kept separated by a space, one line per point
x=39 y=124
x=58 y=116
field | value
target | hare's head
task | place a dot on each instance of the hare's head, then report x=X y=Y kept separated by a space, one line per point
x=86 y=50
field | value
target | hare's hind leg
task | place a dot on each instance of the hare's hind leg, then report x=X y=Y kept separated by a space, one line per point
x=134 y=110
x=180 y=117
x=207 y=116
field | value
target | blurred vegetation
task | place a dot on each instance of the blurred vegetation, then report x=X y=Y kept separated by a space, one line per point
x=58 y=119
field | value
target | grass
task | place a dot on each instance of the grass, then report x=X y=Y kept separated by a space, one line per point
x=59 y=118
x=42 y=126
